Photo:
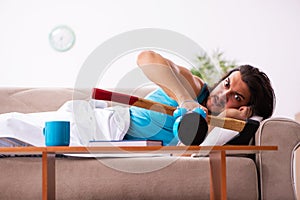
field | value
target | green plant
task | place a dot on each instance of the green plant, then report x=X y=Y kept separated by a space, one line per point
x=211 y=68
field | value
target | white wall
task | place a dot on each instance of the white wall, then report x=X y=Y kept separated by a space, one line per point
x=264 y=33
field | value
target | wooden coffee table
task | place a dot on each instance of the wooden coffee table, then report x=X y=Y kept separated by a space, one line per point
x=217 y=158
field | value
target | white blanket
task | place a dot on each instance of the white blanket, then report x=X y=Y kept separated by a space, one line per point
x=91 y=120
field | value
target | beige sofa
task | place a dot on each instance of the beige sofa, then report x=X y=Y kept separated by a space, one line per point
x=268 y=176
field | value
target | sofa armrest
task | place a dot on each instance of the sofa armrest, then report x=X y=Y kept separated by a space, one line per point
x=276 y=168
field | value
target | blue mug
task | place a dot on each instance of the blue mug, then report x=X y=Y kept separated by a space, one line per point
x=57 y=133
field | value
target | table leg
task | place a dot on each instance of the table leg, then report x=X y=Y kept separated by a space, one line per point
x=48 y=177
x=218 y=188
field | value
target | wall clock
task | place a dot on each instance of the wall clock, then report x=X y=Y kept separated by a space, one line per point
x=62 y=38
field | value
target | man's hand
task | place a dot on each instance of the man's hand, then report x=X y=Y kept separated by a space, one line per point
x=243 y=113
x=192 y=104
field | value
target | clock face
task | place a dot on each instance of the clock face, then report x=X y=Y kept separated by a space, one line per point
x=62 y=38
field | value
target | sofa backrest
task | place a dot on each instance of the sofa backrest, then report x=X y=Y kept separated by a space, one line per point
x=28 y=100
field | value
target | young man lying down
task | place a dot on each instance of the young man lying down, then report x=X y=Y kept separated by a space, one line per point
x=243 y=93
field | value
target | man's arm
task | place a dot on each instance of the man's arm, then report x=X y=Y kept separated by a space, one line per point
x=178 y=82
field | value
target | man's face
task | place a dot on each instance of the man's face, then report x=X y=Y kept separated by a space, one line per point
x=232 y=92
